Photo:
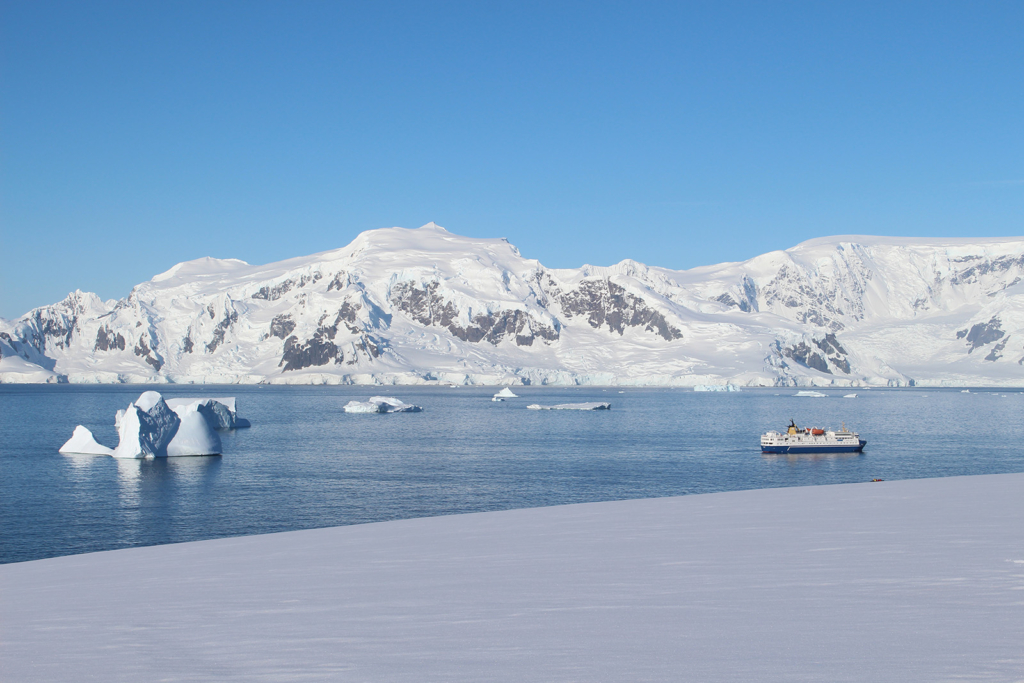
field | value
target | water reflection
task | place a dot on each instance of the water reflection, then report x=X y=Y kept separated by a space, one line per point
x=809 y=457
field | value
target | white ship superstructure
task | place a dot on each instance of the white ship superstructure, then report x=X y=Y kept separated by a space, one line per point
x=811 y=440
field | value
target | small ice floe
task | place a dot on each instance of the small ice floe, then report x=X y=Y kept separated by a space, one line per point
x=965 y=391
x=850 y=396
x=83 y=442
x=381 y=404
x=503 y=394
x=572 y=406
x=497 y=399
x=716 y=387
x=810 y=394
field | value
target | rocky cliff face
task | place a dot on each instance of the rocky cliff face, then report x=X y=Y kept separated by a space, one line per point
x=413 y=306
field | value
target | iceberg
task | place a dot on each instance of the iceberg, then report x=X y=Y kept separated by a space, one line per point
x=146 y=428
x=505 y=393
x=497 y=399
x=810 y=394
x=572 y=406
x=381 y=404
x=195 y=435
x=716 y=387
x=154 y=428
x=220 y=412
x=83 y=442
x=850 y=396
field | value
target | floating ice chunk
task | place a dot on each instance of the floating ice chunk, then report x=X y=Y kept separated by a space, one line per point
x=380 y=404
x=572 y=406
x=811 y=394
x=82 y=441
x=850 y=396
x=195 y=435
x=497 y=398
x=505 y=393
x=219 y=411
x=965 y=391
x=716 y=387
x=146 y=428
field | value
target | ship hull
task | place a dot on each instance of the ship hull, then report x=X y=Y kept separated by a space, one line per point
x=820 y=448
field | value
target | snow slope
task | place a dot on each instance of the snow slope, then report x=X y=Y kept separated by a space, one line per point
x=400 y=306
x=905 y=581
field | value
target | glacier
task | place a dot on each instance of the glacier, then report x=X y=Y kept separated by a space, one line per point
x=424 y=306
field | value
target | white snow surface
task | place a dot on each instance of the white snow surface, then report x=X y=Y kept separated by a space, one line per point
x=84 y=443
x=900 y=581
x=572 y=406
x=381 y=404
x=424 y=306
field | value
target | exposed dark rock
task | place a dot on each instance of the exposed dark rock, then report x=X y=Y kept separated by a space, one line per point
x=996 y=352
x=220 y=330
x=982 y=333
x=972 y=273
x=321 y=348
x=829 y=344
x=108 y=341
x=840 y=363
x=340 y=281
x=143 y=351
x=282 y=326
x=315 y=351
x=604 y=302
x=277 y=291
x=427 y=307
x=807 y=356
x=187 y=345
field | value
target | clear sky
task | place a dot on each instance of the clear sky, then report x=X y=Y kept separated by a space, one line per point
x=139 y=134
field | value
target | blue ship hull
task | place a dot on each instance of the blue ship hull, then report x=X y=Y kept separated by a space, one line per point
x=814 y=449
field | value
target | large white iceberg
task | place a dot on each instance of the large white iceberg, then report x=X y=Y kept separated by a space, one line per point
x=572 y=406
x=810 y=394
x=154 y=428
x=380 y=404
x=82 y=441
x=505 y=393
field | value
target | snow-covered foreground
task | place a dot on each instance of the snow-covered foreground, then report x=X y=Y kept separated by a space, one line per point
x=919 y=580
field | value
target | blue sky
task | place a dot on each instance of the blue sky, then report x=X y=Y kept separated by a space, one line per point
x=137 y=135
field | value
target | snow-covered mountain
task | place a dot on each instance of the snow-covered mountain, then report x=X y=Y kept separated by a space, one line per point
x=400 y=306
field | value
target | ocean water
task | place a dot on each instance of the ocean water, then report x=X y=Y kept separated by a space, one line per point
x=304 y=463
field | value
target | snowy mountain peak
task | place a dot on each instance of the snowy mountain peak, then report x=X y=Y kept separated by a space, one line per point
x=425 y=305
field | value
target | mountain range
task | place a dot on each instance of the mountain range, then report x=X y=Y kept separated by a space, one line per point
x=425 y=306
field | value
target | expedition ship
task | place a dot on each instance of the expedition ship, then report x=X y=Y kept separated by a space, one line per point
x=812 y=440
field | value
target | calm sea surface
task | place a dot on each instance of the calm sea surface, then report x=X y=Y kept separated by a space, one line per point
x=306 y=464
